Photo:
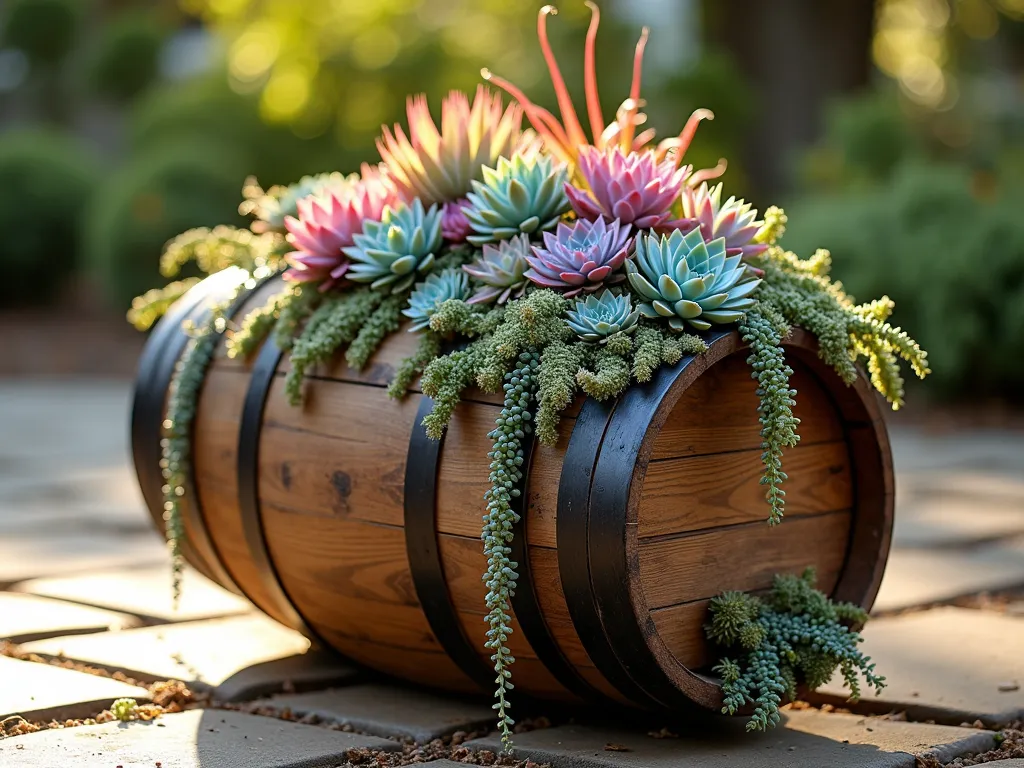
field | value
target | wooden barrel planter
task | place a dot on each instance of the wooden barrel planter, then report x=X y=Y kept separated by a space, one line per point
x=341 y=519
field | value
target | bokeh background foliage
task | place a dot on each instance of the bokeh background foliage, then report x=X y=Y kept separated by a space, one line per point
x=889 y=130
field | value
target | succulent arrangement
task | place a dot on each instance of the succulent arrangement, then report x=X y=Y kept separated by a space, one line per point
x=545 y=264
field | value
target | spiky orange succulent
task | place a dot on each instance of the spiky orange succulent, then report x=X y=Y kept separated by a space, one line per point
x=565 y=138
x=438 y=166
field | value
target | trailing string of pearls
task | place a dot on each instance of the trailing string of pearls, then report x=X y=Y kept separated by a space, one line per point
x=507 y=459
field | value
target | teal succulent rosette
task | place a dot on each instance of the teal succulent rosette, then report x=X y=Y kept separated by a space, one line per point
x=596 y=319
x=687 y=281
x=524 y=195
x=390 y=253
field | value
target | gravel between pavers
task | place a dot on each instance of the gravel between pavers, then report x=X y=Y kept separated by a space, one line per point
x=1011 y=746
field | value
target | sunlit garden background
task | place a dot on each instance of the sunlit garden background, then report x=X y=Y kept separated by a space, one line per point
x=890 y=133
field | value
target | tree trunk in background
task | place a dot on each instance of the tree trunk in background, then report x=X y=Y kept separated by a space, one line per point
x=797 y=55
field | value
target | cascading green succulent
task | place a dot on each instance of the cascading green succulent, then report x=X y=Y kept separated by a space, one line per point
x=689 y=281
x=392 y=251
x=599 y=318
x=501 y=271
x=523 y=195
x=432 y=293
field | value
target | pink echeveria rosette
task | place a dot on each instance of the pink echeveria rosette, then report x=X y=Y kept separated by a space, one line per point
x=327 y=223
x=632 y=187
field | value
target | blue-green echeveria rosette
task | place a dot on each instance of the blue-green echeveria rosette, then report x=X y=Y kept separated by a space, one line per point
x=432 y=293
x=597 y=319
x=523 y=195
x=390 y=253
x=690 y=282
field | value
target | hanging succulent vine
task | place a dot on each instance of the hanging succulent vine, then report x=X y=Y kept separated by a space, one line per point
x=176 y=444
x=513 y=425
x=763 y=329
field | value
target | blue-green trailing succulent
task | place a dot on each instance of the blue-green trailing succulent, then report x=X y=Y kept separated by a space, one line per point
x=505 y=249
x=390 y=253
x=524 y=195
x=429 y=295
x=598 y=318
x=793 y=637
x=689 y=281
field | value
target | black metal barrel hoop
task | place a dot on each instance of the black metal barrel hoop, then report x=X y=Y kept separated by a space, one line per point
x=156 y=368
x=420 y=498
x=612 y=541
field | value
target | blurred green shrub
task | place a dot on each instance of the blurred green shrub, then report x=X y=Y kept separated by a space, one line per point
x=866 y=137
x=949 y=251
x=45 y=30
x=45 y=180
x=206 y=109
x=126 y=57
x=713 y=82
x=158 y=194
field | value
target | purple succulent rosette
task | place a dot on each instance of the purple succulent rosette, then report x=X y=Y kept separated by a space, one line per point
x=454 y=224
x=580 y=258
x=634 y=188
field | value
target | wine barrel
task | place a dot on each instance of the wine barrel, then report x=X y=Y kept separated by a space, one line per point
x=340 y=518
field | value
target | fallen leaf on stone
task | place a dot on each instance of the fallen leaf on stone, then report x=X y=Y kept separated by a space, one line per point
x=1008 y=687
x=616 y=748
x=664 y=733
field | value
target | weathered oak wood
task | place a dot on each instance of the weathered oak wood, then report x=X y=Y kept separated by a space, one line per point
x=697 y=492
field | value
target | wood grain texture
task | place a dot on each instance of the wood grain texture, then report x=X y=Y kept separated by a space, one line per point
x=702 y=564
x=719 y=412
x=697 y=492
x=215 y=448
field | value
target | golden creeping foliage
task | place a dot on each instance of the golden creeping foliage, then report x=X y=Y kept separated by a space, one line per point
x=802 y=292
x=213 y=250
x=154 y=303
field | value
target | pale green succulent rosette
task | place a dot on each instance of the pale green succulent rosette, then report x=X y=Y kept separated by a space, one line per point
x=432 y=293
x=393 y=251
x=523 y=195
x=274 y=205
x=688 y=281
x=598 y=318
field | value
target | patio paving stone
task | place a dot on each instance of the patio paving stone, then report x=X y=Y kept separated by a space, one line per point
x=144 y=591
x=193 y=739
x=391 y=710
x=947 y=665
x=922 y=577
x=41 y=692
x=27 y=617
x=202 y=653
x=806 y=739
